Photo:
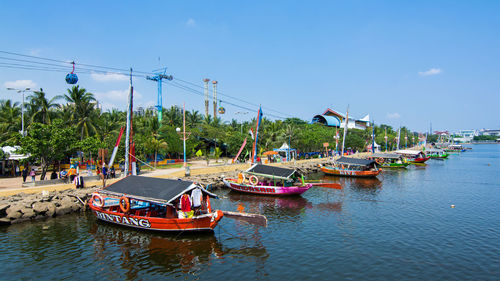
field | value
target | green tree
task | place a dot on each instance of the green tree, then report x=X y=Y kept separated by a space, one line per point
x=84 y=113
x=48 y=142
x=40 y=108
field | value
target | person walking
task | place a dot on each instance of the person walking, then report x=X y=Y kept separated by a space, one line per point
x=25 y=173
x=78 y=181
x=32 y=175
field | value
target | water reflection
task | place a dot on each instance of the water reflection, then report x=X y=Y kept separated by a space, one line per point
x=289 y=207
x=169 y=252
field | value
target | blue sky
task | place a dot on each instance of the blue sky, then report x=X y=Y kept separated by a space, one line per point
x=405 y=63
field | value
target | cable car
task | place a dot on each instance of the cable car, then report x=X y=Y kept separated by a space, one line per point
x=72 y=78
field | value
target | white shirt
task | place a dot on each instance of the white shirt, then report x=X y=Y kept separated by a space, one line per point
x=196 y=197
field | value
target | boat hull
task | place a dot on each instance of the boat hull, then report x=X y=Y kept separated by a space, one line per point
x=266 y=190
x=394 y=166
x=350 y=173
x=205 y=222
x=419 y=160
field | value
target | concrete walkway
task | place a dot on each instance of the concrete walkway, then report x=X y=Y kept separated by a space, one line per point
x=11 y=186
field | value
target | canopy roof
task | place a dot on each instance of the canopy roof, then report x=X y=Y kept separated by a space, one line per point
x=11 y=150
x=270 y=171
x=354 y=161
x=408 y=152
x=152 y=189
x=435 y=150
x=385 y=155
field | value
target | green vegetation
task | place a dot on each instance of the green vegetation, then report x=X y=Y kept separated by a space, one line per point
x=60 y=127
x=485 y=138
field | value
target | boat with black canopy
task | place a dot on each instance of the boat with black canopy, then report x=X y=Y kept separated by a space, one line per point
x=156 y=204
x=389 y=160
x=351 y=167
x=268 y=180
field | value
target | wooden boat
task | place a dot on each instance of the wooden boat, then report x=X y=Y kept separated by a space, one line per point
x=434 y=153
x=268 y=180
x=413 y=156
x=455 y=148
x=389 y=160
x=351 y=167
x=151 y=203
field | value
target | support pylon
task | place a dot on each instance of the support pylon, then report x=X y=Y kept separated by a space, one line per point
x=206 y=80
x=215 y=98
x=158 y=78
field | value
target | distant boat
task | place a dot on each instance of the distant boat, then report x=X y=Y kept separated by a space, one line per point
x=351 y=167
x=436 y=153
x=268 y=180
x=413 y=156
x=455 y=148
x=389 y=160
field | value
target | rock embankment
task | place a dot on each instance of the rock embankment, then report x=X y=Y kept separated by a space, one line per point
x=24 y=207
x=214 y=181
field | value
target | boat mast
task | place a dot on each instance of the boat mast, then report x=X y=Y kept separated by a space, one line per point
x=373 y=136
x=345 y=130
x=127 y=133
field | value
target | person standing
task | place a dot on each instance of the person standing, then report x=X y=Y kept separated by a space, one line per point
x=25 y=173
x=78 y=181
x=32 y=175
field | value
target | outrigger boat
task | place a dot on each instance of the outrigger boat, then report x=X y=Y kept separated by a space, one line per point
x=389 y=160
x=436 y=153
x=351 y=167
x=268 y=180
x=413 y=156
x=151 y=203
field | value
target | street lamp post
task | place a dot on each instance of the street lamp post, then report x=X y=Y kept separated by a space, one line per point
x=22 y=107
x=184 y=138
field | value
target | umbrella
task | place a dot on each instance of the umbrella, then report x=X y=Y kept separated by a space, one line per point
x=270 y=153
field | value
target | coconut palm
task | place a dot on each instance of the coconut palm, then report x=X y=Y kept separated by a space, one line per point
x=193 y=118
x=10 y=119
x=40 y=108
x=85 y=113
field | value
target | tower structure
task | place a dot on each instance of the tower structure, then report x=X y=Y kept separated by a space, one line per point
x=206 y=80
x=215 y=98
x=158 y=78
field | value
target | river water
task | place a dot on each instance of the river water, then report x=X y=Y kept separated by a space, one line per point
x=398 y=227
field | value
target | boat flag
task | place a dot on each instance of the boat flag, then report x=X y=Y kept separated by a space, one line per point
x=115 y=150
x=345 y=130
x=251 y=133
x=259 y=119
x=241 y=149
x=373 y=137
x=385 y=139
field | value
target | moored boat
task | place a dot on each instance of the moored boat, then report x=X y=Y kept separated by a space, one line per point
x=153 y=204
x=351 y=167
x=436 y=153
x=389 y=160
x=268 y=180
x=455 y=148
x=413 y=156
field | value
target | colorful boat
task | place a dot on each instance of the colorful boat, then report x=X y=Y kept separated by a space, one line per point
x=455 y=148
x=413 y=156
x=351 y=167
x=436 y=153
x=389 y=160
x=151 y=203
x=268 y=180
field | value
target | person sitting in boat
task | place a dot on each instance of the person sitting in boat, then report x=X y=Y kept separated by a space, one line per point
x=196 y=198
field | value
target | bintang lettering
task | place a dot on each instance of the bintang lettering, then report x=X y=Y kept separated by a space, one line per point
x=124 y=220
x=254 y=189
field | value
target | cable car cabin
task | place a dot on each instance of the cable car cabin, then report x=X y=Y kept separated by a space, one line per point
x=71 y=78
x=156 y=204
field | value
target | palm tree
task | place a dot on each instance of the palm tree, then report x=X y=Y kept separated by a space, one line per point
x=40 y=108
x=10 y=119
x=193 y=118
x=84 y=112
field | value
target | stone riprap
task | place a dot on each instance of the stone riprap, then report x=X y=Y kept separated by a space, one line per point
x=25 y=207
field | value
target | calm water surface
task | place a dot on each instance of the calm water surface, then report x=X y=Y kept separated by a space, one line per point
x=397 y=227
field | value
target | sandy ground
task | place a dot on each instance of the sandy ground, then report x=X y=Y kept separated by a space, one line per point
x=11 y=186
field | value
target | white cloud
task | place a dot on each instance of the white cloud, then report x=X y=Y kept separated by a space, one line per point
x=432 y=71
x=35 y=52
x=116 y=96
x=108 y=76
x=394 y=115
x=20 y=84
x=191 y=23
